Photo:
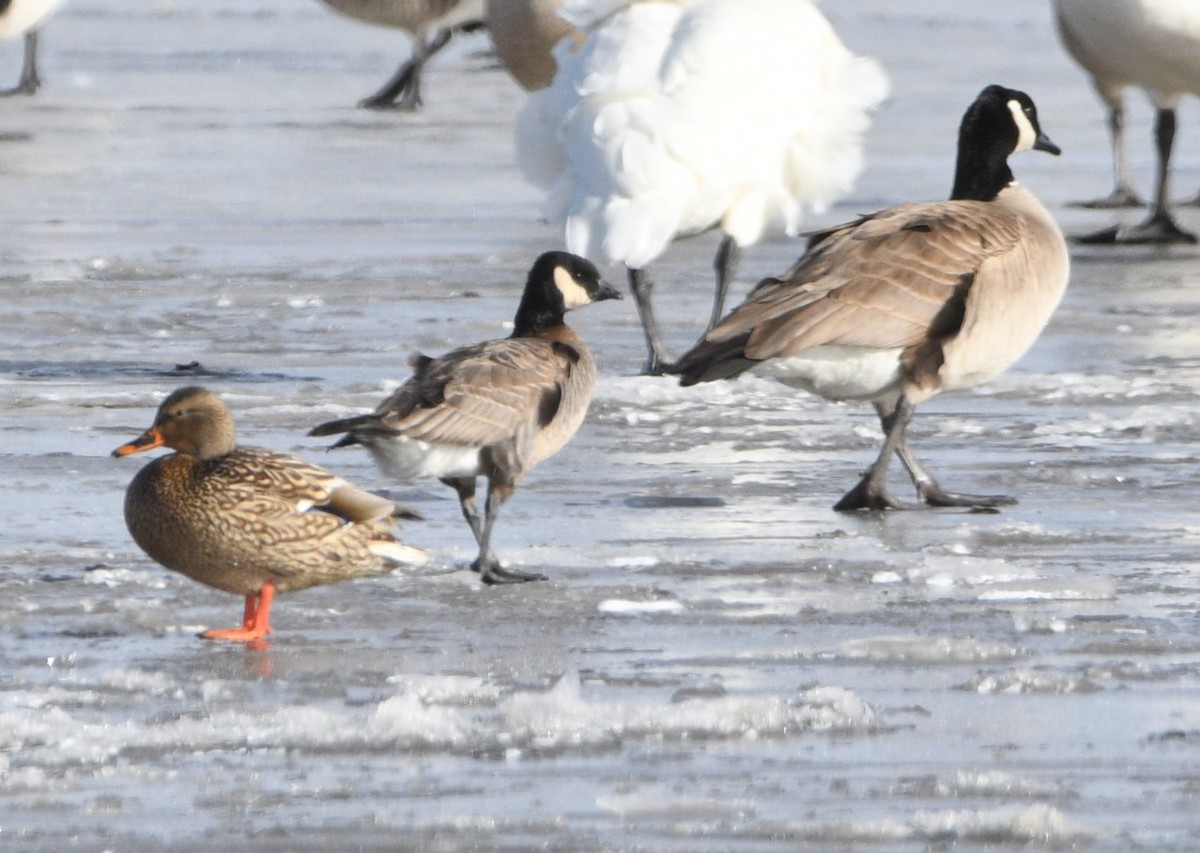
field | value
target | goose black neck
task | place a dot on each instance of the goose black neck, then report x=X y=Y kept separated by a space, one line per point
x=984 y=143
x=535 y=314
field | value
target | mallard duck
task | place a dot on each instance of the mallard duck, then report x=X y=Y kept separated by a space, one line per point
x=247 y=520
x=493 y=409
x=911 y=301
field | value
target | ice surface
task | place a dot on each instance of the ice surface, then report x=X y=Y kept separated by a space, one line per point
x=719 y=661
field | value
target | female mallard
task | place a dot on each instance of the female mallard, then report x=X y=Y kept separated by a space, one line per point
x=249 y=520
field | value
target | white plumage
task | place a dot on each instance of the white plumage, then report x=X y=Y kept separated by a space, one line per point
x=19 y=16
x=678 y=116
x=1153 y=45
x=22 y=17
x=406 y=459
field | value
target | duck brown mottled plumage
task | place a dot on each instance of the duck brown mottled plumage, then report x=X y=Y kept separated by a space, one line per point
x=248 y=520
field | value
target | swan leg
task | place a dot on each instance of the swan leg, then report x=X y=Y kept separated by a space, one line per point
x=729 y=254
x=29 y=82
x=1122 y=194
x=641 y=285
x=1160 y=227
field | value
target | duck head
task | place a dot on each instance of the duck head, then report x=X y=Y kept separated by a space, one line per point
x=192 y=421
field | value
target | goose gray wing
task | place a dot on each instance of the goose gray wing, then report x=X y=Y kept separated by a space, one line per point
x=479 y=395
x=893 y=279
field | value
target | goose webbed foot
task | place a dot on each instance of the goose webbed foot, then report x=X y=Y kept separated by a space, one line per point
x=934 y=495
x=402 y=93
x=494 y=573
x=499 y=574
x=1119 y=198
x=868 y=495
x=1160 y=229
x=406 y=104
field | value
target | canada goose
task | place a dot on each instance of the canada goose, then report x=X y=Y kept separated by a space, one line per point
x=910 y=301
x=493 y=409
x=674 y=118
x=524 y=32
x=431 y=23
x=22 y=17
x=1155 y=47
x=248 y=520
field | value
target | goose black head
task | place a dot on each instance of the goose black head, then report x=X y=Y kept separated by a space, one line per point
x=999 y=123
x=558 y=282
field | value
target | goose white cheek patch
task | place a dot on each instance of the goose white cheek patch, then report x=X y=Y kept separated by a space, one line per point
x=1026 y=135
x=573 y=293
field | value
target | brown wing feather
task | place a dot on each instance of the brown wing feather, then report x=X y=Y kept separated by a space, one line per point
x=883 y=281
x=271 y=472
x=292 y=481
x=476 y=395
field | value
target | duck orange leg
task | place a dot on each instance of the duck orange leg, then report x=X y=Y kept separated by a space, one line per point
x=256 y=622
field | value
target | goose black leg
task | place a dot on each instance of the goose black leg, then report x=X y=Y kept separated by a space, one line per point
x=465 y=488
x=934 y=495
x=490 y=569
x=871 y=491
x=927 y=487
x=403 y=91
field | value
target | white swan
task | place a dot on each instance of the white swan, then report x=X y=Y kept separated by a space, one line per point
x=22 y=17
x=679 y=116
x=1155 y=46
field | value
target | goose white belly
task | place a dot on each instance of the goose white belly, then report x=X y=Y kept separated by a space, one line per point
x=838 y=372
x=405 y=459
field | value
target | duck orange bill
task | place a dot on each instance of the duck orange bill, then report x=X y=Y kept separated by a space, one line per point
x=148 y=440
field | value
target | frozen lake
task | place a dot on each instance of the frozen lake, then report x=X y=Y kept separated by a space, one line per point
x=719 y=662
